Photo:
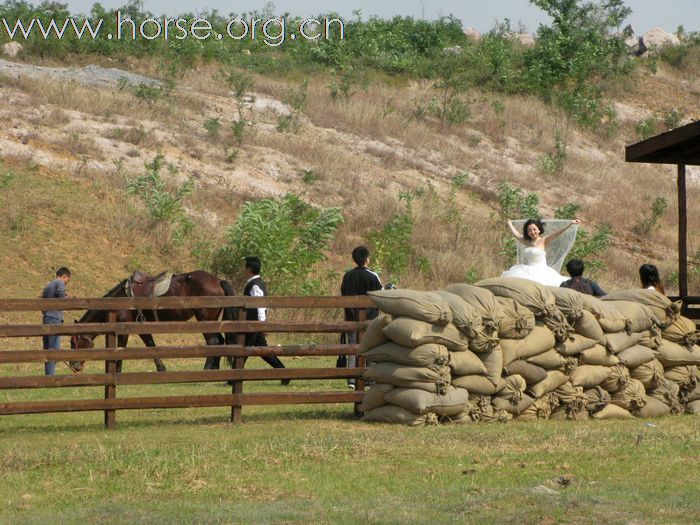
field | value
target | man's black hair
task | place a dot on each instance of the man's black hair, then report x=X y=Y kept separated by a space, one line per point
x=62 y=271
x=575 y=267
x=360 y=255
x=254 y=264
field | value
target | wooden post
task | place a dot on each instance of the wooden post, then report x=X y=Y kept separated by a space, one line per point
x=110 y=370
x=360 y=360
x=682 y=235
x=238 y=364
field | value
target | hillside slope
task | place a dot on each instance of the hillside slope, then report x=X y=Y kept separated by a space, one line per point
x=70 y=146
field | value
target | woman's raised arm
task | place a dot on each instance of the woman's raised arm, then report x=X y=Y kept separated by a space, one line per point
x=554 y=235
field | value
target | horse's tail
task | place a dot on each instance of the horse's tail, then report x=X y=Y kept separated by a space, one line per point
x=229 y=313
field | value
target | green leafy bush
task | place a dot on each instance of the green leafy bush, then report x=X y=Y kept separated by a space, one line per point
x=163 y=205
x=290 y=237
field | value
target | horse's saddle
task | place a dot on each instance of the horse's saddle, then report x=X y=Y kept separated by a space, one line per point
x=140 y=284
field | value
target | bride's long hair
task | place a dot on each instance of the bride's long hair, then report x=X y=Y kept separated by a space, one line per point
x=536 y=222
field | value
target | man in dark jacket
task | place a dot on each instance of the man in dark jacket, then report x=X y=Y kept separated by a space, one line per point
x=256 y=287
x=56 y=289
x=579 y=283
x=357 y=281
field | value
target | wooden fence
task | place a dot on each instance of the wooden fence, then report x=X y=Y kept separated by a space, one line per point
x=238 y=375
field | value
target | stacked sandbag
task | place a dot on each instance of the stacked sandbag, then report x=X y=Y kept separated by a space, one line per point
x=511 y=349
x=408 y=350
x=533 y=296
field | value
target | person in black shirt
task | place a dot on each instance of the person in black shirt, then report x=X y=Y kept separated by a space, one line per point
x=256 y=287
x=357 y=281
x=579 y=283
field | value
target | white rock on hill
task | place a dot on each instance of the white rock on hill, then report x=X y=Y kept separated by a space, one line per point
x=472 y=33
x=657 y=37
x=12 y=49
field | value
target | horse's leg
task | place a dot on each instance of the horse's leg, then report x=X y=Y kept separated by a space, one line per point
x=213 y=362
x=121 y=342
x=148 y=341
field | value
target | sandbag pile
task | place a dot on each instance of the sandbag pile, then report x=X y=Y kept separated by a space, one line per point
x=510 y=348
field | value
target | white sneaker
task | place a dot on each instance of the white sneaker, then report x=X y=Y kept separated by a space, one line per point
x=351 y=387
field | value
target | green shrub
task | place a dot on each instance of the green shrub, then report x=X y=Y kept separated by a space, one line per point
x=650 y=222
x=290 y=237
x=163 y=205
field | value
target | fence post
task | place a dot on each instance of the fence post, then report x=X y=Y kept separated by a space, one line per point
x=110 y=370
x=360 y=360
x=238 y=364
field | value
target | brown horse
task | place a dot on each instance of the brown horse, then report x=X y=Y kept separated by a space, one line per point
x=192 y=284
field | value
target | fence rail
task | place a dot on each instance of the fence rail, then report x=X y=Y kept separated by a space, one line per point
x=238 y=353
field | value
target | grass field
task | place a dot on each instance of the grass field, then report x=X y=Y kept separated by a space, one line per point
x=318 y=464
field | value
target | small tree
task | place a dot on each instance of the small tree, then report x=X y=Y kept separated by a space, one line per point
x=163 y=205
x=290 y=237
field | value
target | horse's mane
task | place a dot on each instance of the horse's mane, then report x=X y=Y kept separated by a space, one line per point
x=95 y=315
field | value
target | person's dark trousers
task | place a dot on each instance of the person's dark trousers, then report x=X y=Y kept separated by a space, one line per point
x=51 y=342
x=258 y=339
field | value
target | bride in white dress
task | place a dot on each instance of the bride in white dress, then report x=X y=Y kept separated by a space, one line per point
x=533 y=251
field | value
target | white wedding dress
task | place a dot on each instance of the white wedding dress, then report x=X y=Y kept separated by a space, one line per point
x=535 y=268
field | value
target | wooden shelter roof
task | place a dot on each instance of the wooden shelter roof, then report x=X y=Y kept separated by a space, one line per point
x=678 y=146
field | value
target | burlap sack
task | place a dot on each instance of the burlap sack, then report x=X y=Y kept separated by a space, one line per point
x=587 y=326
x=423 y=306
x=668 y=393
x=549 y=360
x=618 y=378
x=682 y=331
x=684 y=376
x=569 y=413
x=620 y=341
x=530 y=373
x=635 y=356
x=394 y=414
x=486 y=413
x=600 y=356
x=661 y=306
x=693 y=408
x=451 y=403
x=481 y=299
x=409 y=332
x=596 y=399
x=608 y=316
x=513 y=408
x=466 y=363
x=514 y=389
x=651 y=338
x=533 y=296
x=612 y=412
x=427 y=356
x=691 y=394
x=462 y=418
x=574 y=346
x=554 y=380
x=465 y=317
x=672 y=354
x=482 y=342
x=493 y=361
x=640 y=317
x=650 y=374
x=589 y=376
x=540 y=409
x=516 y=321
x=572 y=397
x=568 y=301
x=652 y=408
x=374 y=335
x=479 y=385
x=539 y=341
x=374 y=396
x=434 y=381
x=631 y=397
